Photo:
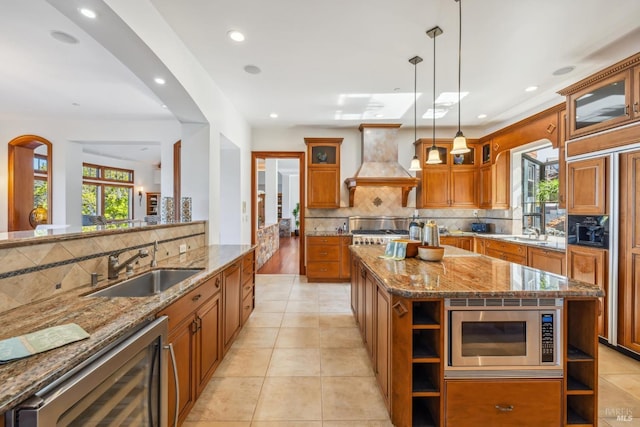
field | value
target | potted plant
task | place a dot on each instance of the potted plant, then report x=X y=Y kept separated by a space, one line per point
x=296 y=213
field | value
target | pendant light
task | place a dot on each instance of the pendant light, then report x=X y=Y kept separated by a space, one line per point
x=434 y=153
x=459 y=142
x=415 y=162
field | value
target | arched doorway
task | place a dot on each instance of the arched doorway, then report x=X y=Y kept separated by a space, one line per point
x=29 y=179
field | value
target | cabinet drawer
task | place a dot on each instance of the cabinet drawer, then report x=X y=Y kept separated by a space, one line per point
x=494 y=253
x=323 y=253
x=508 y=247
x=323 y=269
x=323 y=240
x=247 y=307
x=247 y=267
x=503 y=403
x=186 y=305
x=247 y=288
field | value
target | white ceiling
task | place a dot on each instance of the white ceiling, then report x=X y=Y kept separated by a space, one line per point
x=312 y=52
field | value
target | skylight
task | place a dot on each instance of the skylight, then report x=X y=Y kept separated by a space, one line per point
x=359 y=106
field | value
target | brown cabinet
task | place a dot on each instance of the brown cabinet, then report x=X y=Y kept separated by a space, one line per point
x=547 y=260
x=449 y=184
x=507 y=251
x=590 y=265
x=503 y=403
x=153 y=204
x=248 y=286
x=194 y=333
x=493 y=185
x=543 y=125
x=462 y=242
x=328 y=258
x=383 y=343
x=586 y=186
x=562 y=161
x=323 y=172
x=231 y=295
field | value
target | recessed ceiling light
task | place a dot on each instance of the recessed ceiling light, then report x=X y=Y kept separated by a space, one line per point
x=482 y=116
x=159 y=80
x=63 y=37
x=88 y=13
x=252 y=69
x=164 y=106
x=273 y=115
x=531 y=89
x=235 y=35
x=379 y=116
x=563 y=70
x=75 y=104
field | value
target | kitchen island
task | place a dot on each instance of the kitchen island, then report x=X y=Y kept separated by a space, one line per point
x=401 y=309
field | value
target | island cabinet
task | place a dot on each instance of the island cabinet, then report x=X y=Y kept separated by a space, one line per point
x=323 y=172
x=248 y=286
x=547 y=260
x=232 y=298
x=507 y=251
x=328 y=258
x=194 y=333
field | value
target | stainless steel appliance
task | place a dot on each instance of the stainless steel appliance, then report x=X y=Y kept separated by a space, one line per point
x=378 y=230
x=123 y=385
x=510 y=337
x=589 y=230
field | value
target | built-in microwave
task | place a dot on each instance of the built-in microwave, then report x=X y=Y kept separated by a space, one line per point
x=503 y=337
x=588 y=230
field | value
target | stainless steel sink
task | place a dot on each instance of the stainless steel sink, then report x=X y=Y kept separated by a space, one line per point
x=526 y=240
x=147 y=284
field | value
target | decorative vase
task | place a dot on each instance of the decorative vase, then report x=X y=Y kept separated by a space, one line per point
x=185 y=210
x=168 y=210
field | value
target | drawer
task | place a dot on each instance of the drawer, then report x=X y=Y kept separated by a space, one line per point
x=323 y=253
x=509 y=247
x=518 y=403
x=186 y=305
x=247 y=288
x=247 y=267
x=323 y=240
x=323 y=270
x=518 y=259
x=247 y=307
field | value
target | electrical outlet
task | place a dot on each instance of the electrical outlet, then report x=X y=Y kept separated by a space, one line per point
x=183 y=248
x=475 y=212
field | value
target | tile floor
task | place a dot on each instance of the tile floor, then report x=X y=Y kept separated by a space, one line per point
x=300 y=361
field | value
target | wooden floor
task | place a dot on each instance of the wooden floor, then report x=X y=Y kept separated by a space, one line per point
x=285 y=260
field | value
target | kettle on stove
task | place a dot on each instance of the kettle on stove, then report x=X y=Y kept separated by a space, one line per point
x=431 y=234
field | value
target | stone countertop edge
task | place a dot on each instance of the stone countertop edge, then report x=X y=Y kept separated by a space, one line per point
x=464 y=274
x=105 y=319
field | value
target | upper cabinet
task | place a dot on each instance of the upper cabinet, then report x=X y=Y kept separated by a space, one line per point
x=494 y=183
x=323 y=172
x=451 y=183
x=586 y=186
x=604 y=100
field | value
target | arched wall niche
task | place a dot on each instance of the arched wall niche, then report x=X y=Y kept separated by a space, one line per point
x=21 y=152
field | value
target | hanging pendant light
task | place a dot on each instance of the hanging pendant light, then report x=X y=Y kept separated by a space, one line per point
x=415 y=162
x=459 y=142
x=434 y=153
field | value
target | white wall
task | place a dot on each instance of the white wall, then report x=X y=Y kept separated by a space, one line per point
x=231 y=217
x=271 y=192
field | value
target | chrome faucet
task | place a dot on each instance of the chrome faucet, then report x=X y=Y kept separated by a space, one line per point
x=532 y=230
x=114 y=265
x=154 y=262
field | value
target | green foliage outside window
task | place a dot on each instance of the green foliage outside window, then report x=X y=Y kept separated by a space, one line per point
x=40 y=193
x=116 y=202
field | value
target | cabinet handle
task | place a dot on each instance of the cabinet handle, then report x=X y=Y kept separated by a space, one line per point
x=217 y=282
x=194 y=327
x=247 y=307
x=626 y=109
x=635 y=107
x=400 y=309
x=198 y=323
x=176 y=382
x=504 y=408
x=363 y=273
x=196 y=298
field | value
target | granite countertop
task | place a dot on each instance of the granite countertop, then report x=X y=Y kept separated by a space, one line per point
x=464 y=274
x=327 y=233
x=105 y=319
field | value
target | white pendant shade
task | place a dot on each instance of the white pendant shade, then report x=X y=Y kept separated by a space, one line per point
x=434 y=156
x=459 y=144
x=415 y=164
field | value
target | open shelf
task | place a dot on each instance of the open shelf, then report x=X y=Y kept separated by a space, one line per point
x=426 y=378
x=574 y=386
x=426 y=313
x=425 y=344
x=424 y=409
x=574 y=354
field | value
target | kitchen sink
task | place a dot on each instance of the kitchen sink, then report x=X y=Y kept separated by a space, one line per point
x=526 y=240
x=147 y=284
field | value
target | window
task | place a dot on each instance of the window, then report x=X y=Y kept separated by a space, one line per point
x=40 y=181
x=540 y=192
x=107 y=192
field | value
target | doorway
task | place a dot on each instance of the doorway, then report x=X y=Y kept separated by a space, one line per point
x=273 y=205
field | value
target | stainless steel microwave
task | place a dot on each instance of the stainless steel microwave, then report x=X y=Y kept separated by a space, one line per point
x=503 y=337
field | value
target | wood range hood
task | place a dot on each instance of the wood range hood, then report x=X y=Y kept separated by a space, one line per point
x=380 y=167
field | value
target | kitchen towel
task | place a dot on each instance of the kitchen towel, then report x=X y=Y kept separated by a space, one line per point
x=39 y=341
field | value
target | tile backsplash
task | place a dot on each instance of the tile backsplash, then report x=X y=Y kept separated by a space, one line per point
x=38 y=270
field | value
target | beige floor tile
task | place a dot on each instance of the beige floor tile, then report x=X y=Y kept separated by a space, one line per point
x=286 y=424
x=614 y=401
x=613 y=362
x=256 y=338
x=345 y=362
x=630 y=383
x=352 y=398
x=290 y=398
x=334 y=307
x=303 y=294
x=300 y=320
x=216 y=424
x=244 y=362
x=340 y=338
x=337 y=320
x=264 y=279
x=294 y=362
x=264 y=320
x=302 y=307
x=357 y=424
x=227 y=399
x=275 y=295
x=271 y=307
x=298 y=338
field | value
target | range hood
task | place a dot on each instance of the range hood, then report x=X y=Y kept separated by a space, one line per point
x=380 y=167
